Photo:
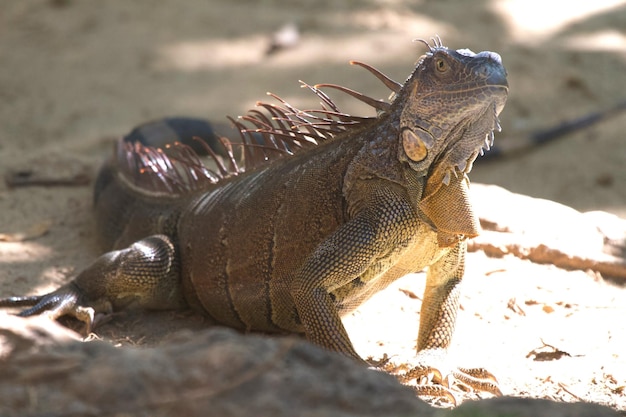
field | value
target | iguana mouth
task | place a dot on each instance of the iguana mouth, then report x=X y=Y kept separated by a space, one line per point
x=460 y=155
x=478 y=137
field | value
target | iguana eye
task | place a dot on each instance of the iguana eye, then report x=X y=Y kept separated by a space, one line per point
x=441 y=65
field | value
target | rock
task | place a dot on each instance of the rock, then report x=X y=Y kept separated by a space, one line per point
x=47 y=372
x=547 y=232
x=214 y=372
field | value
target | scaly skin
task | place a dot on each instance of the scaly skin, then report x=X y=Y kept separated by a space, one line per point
x=293 y=245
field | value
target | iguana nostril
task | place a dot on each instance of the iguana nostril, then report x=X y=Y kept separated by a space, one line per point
x=483 y=71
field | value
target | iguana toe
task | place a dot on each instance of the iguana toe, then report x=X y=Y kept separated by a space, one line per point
x=478 y=379
x=65 y=301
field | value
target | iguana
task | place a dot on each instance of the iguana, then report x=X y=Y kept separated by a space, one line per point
x=331 y=208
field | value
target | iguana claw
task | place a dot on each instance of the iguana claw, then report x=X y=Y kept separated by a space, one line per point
x=478 y=379
x=438 y=391
x=67 y=300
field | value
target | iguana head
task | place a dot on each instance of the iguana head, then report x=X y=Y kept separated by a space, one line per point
x=449 y=109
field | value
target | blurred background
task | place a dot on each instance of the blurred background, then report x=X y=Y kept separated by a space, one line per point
x=76 y=73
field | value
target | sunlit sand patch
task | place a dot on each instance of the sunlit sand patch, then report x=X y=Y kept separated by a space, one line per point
x=607 y=40
x=535 y=20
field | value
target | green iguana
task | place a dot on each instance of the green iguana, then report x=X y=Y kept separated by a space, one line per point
x=331 y=208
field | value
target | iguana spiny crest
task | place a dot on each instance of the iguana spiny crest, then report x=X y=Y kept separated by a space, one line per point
x=440 y=119
x=438 y=123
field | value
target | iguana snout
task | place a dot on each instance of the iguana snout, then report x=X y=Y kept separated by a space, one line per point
x=488 y=66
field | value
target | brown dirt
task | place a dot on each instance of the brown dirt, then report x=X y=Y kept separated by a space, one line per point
x=77 y=73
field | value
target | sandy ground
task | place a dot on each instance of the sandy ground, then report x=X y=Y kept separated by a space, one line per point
x=75 y=74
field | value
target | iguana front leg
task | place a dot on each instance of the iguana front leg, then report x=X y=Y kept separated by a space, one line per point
x=145 y=273
x=437 y=322
x=441 y=300
x=353 y=257
x=336 y=263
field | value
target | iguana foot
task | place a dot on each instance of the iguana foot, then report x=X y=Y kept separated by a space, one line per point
x=144 y=274
x=65 y=301
x=430 y=381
